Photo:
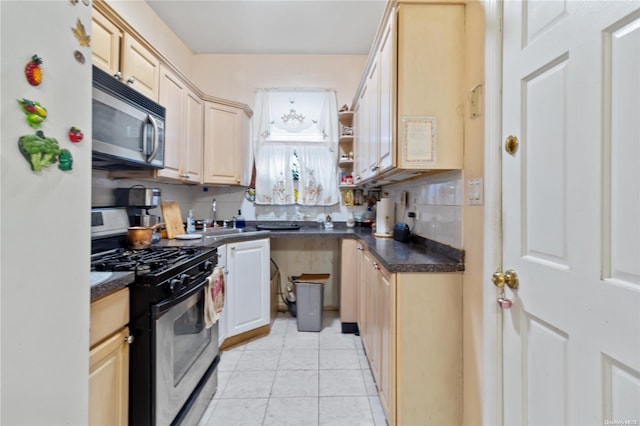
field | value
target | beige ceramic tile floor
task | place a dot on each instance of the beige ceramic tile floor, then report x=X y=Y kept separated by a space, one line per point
x=296 y=378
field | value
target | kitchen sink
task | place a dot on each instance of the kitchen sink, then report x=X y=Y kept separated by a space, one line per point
x=219 y=231
x=99 y=277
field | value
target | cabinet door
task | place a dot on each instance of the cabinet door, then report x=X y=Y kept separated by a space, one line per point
x=362 y=141
x=183 y=129
x=373 y=107
x=109 y=381
x=387 y=96
x=430 y=73
x=223 y=144
x=361 y=289
x=386 y=303
x=348 y=279
x=248 y=286
x=370 y=339
x=172 y=98
x=105 y=43
x=140 y=65
x=193 y=138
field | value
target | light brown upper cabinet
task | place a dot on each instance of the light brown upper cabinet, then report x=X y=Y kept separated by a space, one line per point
x=184 y=129
x=409 y=103
x=226 y=132
x=123 y=56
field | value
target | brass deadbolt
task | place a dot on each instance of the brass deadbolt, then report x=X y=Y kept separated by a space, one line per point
x=511 y=145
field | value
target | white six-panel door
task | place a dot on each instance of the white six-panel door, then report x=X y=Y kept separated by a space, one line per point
x=571 y=212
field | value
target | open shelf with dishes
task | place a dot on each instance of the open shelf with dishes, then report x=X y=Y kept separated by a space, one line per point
x=345 y=150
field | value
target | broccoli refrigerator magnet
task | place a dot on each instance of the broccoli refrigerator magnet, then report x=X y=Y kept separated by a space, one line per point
x=41 y=151
x=35 y=112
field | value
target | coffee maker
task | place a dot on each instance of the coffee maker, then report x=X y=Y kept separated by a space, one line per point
x=139 y=200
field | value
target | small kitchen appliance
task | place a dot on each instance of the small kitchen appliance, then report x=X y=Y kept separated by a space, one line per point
x=173 y=358
x=401 y=232
x=139 y=200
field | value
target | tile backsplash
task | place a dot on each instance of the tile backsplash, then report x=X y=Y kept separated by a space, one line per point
x=436 y=200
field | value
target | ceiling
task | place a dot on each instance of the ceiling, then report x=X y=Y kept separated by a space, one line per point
x=341 y=27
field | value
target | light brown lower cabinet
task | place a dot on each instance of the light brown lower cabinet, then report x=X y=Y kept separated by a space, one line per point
x=411 y=328
x=109 y=361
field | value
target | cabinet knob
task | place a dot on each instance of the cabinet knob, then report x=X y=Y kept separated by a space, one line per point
x=185 y=175
x=374 y=167
x=131 y=80
x=376 y=266
x=129 y=339
x=118 y=75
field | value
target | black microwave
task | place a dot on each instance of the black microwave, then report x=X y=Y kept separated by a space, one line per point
x=128 y=128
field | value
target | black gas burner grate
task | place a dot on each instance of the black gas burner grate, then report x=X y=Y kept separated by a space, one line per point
x=151 y=260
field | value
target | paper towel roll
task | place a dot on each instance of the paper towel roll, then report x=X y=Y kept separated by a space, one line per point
x=384 y=217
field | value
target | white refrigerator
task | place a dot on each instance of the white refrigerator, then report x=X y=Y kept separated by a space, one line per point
x=45 y=216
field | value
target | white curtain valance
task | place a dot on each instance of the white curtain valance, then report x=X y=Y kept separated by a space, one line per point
x=295 y=135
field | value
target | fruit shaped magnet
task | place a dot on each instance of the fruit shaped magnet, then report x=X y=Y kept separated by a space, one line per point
x=33 y=72
x=38 y=150
x=35 y=112
x=66 y=160
x=75 y=134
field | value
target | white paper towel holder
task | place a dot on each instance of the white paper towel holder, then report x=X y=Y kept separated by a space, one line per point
x=383 y=215
x=389 y=235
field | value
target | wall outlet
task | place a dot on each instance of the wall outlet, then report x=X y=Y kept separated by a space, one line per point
x=475 y=191
x=411 y=214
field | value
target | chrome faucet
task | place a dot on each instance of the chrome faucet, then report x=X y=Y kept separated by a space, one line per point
x=213 y=209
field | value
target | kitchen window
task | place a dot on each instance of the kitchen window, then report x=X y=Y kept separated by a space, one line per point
x=295 y=135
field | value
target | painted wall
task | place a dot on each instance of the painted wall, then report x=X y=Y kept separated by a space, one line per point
x=473 y=225
x=44 y=221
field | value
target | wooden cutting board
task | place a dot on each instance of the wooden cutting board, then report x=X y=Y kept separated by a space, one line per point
x=172 y=218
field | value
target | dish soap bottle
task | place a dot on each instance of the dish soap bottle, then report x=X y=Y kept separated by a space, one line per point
x=191 y=223
x=240 y=223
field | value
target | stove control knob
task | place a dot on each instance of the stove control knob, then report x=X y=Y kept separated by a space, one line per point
x=175 y=285
x=185 y=280
x=207 y=266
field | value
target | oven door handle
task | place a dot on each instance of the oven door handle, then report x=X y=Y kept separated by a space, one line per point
x=161 y=308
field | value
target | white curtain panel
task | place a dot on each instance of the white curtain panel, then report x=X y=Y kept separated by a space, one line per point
x=295 y=136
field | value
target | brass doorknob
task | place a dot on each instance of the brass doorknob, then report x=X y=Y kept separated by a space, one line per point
x=509 y=277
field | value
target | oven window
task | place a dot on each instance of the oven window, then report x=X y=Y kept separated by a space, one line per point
x=190 y=338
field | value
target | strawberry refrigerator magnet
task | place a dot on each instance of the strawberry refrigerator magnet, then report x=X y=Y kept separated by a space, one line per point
x=33 y=72
x=75 y=134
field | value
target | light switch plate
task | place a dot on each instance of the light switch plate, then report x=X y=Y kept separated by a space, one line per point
x=475 y=191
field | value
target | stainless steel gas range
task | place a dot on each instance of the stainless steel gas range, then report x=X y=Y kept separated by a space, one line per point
x=174 y=356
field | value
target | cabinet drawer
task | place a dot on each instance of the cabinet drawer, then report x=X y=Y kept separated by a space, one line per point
x=108 y=315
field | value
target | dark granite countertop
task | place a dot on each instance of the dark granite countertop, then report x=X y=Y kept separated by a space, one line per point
x=117 y=281
x=419 y=255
